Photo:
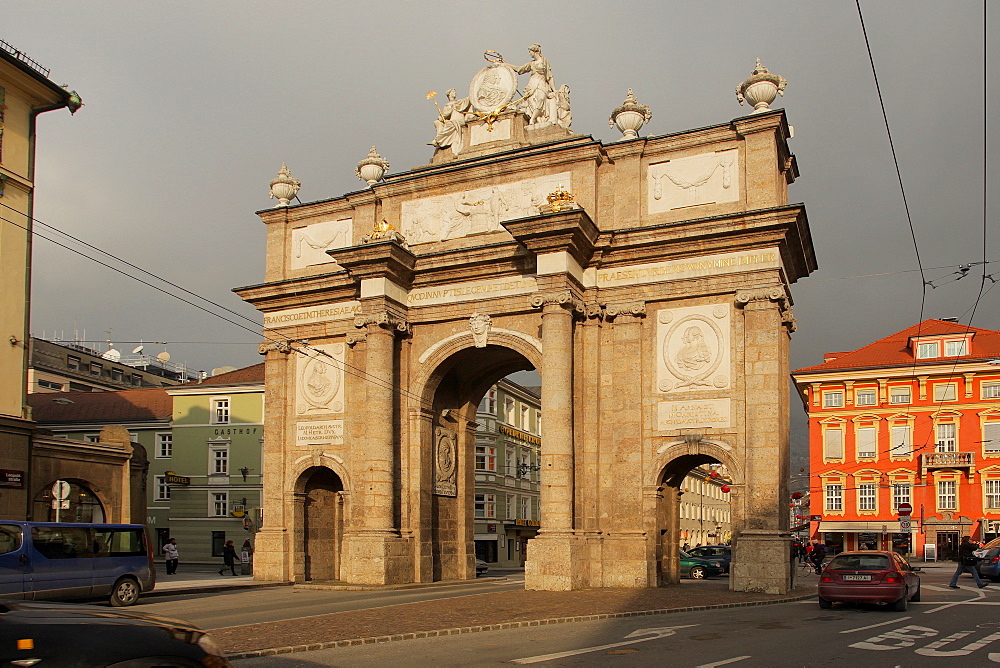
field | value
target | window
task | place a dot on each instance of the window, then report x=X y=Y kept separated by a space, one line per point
x=524 y=418
x=993 y=494
x=491 y=402
x=508 y=410
x=220 y=411
x=925 y=350
x=136 y=379
x=866 y=496
x=833 y=444
x=164 y=445
x=945 y=392
x=96 y=369
x=834 y=497
x=864 y=398
x=538 y=423
x=162 y=488
x=899 y=395
x=79 y=387
x=509 y=462
x=991 y=437
x=900 y=494
x=485 y=506
x=900 y=436
x=991 y=391
x=486 y=458
x=73 y=363
x=833 y=399
x=220 y=504
x=955 y=348
x=525 y=507
x=92 y=438
x=218 y=459
x=50 y=385
x=116 y=374
x=946 y=499
x=511 y=507
x=218 y=543
x=866 y=442
x=946 y=437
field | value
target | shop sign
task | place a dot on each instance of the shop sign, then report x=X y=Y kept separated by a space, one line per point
x=491 y=528
x=12 y=478
x=527 y=523
x=172 y=478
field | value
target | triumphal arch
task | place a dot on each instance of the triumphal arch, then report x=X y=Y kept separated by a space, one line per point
x=647 y=280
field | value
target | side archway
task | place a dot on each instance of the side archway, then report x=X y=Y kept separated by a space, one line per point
x=319 y=512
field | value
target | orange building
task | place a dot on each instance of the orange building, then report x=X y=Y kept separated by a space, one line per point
x=911 y=418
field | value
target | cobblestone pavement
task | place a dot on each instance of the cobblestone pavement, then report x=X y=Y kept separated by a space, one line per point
x=473 y=613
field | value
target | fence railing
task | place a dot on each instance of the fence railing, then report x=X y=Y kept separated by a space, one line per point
x=24 y=58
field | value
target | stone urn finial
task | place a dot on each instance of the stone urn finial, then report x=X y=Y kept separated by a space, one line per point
x=372 y=168
x=629 y=116
x=284 y=187
x=760 y=88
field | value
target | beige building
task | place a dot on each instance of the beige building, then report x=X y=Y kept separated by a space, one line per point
x=25 y=92
x=705 y=516
x=647 y=280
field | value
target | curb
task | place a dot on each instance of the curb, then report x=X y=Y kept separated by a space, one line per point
x=408 y=585
x=371 y=640
x=208 y=589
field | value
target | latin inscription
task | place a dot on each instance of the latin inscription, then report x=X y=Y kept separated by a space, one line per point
x=311 y=314
x=655 y=272
x=674 y=415
x=461 y=292
x=327 y=432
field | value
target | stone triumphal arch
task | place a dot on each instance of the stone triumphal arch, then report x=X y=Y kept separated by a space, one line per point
x=647 y=280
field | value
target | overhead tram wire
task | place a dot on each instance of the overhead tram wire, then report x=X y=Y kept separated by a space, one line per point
x=320 y=355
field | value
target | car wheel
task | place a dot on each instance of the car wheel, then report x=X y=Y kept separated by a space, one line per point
x=916 y=597
x=825 y=604
x=124 y=593
x=697 y=573
x=901 y=605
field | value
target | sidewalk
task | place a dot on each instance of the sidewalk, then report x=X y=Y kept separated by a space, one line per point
x=201 y=578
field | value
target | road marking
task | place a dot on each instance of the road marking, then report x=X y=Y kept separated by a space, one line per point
x=723 y=663
x=651 y=634
x=937 y=587
x=932 y=649
x=872 y=626
x=979 y=596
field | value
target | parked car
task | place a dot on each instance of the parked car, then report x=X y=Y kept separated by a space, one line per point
x=50 y=560
x=60 y=634
x=722 y=554
x=698 y=568
x=869 y=577
x=989 y=566
x=481 y=567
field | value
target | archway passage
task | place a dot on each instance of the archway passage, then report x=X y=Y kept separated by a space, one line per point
x=323 y=524
x=80 y=505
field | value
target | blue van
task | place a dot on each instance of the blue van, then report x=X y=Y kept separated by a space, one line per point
x=50 y=560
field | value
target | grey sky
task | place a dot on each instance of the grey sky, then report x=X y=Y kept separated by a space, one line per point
x=191 y=107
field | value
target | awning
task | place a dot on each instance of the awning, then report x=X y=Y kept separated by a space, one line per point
x=862 y=527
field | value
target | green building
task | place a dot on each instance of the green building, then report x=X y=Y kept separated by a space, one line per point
x=508 y=444
x=212 y=485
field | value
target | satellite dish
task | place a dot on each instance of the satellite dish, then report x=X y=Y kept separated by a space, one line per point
x=163 y=357
x=138 y=349
x=112 y=355
x=222 y=369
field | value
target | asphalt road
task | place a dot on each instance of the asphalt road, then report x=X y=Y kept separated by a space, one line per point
x=251 y=606
x=953 y=626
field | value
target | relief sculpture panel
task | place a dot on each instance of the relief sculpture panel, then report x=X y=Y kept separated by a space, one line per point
x=710 y=178
x=693 y=349
x=319 y=380
x=475 y=211
x=445 y=462
x=310 y=243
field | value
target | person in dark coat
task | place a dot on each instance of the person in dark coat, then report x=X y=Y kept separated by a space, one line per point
x=229 y=557
x=967 y=562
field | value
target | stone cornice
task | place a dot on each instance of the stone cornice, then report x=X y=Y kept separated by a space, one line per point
x=378 y=259
x=299 y=291
x=571 y=231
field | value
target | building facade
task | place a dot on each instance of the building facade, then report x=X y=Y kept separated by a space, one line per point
x=705 y=513
x=508 y=449
x=211 y=477
x=25 y=92
x=911 y=419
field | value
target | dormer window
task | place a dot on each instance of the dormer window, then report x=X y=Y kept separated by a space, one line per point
x=927 y=350
x=956 y=348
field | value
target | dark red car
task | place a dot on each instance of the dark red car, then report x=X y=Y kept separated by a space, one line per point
x=869 y=577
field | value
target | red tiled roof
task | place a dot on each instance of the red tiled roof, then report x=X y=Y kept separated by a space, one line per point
x=249 y=374
x=894 y=350
x=110 y=407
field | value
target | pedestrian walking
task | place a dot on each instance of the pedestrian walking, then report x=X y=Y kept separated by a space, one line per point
x=228 y=557
x=817 y=555
x=171 y=555
x=967 y=561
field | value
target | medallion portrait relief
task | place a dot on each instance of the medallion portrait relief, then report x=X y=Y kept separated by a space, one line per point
x=445 y=462
x=319 y=381
x=693 y=348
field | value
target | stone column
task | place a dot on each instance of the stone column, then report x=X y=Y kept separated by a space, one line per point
x=760 y=561
x=553 y=562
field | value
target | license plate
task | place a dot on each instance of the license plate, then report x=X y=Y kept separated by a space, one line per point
x=857 y=578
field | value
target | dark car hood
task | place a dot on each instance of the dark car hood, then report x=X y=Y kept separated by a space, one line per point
x=86 y=614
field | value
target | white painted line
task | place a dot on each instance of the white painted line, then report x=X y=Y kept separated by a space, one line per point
x=937 y=587
x=872 y=626
x=640 y=635
x=723 y=663
x=979 y=596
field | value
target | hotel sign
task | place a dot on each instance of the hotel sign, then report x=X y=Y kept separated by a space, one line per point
x=172 y=478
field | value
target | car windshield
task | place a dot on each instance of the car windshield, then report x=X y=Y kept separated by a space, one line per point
x=859 y=562
x=686 y=555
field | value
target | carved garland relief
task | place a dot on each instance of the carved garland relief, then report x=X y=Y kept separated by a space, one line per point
x=445 y=462
x=475 y=211
x=709 y=178
x=310 y=243
x=693 y=348
x=319 y=382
